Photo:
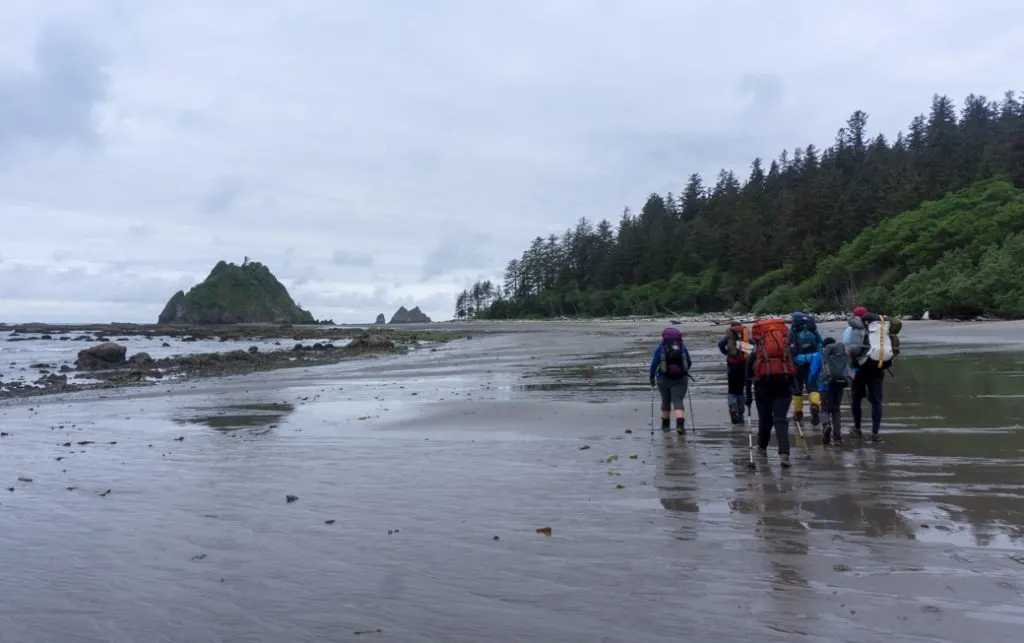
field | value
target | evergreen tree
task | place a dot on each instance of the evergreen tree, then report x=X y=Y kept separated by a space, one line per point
x=750 y=244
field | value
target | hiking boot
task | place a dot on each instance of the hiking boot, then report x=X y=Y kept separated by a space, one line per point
x=826 y=435
x=734 y=416
x=856 y=433
x=837 y=443
x=664 y=424
x=877 y=439
x=784 y=460
x=815 y=416
x=762 y=452
x=681 y=426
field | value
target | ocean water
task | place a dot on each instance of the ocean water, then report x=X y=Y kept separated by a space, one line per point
x=17 y=358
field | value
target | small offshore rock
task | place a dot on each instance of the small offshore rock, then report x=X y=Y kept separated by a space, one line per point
x=290 y=498
x=329 y=522
x=24 y=479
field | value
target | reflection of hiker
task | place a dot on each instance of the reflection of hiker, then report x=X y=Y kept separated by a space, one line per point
x=670 y=368
x=771 y=370
x=830 y=375
x=805 y=343
x=872 y=344
x=736 y=367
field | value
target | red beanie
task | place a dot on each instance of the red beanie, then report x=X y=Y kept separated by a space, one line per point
x=860 y=311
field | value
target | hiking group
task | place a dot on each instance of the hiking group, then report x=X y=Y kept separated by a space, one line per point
x=772 y=365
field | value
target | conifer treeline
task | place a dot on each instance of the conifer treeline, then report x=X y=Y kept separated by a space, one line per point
x=729 y=245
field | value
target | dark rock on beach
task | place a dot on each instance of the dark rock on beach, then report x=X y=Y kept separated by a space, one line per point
x=100 y=357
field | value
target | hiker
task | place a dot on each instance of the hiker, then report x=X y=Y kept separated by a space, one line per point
x=805 y=343
x=736 y=366
x=670 y=372
x=872 y=343
x=830 y=375
x=771 y=371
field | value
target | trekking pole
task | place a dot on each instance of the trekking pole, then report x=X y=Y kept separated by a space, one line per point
x=652 y=410
x=750 y=422
x=692 y=418
x=800 y=430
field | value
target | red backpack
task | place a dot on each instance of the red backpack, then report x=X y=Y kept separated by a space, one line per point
x=771 y=349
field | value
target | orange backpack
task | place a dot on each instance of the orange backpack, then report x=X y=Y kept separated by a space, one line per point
x=771 y=349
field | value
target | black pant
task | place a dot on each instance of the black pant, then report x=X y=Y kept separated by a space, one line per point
x=772 y=398
x=737 y=379
x=832 y=406
x=868 y=383
x=799 y=383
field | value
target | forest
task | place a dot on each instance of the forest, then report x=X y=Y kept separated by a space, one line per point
x=931 y=220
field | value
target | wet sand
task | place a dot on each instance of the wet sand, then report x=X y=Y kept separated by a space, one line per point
x=423 y=461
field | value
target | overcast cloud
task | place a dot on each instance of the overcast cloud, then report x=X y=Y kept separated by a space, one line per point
x=386 y=153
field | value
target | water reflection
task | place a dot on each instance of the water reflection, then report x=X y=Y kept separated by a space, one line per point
x=677 y=483
x=967 y=390
x=239 y=416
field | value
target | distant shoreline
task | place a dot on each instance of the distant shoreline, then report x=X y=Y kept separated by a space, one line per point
x=314 y=345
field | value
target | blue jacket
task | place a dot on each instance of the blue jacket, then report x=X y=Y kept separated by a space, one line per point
x=814 y=382
x=847 y=338
x=656 y=362
x=807 y=358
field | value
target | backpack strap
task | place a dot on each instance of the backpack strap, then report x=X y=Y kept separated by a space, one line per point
x=881 y=340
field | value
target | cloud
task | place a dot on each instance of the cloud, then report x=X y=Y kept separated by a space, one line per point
x=352 y=146
x=351 y=258
x=52 y=98
x=221 y=197
x=456 y=252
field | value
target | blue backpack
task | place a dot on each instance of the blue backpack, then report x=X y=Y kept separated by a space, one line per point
x=803 y=335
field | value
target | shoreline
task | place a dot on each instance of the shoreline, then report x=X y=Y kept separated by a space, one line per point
x=314 y=347
x=104 y=364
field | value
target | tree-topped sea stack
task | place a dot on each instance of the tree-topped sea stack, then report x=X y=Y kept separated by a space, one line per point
x=414 y=316
x=233 y=294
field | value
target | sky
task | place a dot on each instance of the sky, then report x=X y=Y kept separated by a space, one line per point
x=386 y=153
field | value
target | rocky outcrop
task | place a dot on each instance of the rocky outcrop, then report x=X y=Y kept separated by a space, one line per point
x=414 y=316
x=101 y=356
x=380 y=319
x=233 y=294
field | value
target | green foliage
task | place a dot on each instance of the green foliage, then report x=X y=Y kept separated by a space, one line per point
x=955 y=257
x=234 y=294
x=864 y=221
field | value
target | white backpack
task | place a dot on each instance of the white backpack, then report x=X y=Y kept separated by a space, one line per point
x=879 y=341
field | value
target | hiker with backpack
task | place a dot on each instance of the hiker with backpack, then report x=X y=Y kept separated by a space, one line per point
x=770 y=372
x=805 y=343
x=872 y=342
x=736 y=366
x=670 y=372
x=830 y=376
